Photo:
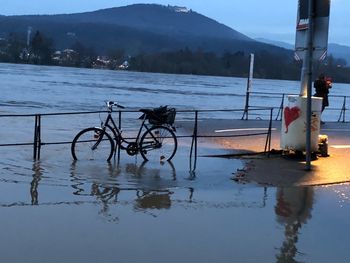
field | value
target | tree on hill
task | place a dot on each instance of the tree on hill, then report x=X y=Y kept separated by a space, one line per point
x=41 y=49
x=13 y=49
x=85 y=56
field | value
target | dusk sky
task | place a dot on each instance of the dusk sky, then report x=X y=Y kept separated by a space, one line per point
x=271 y=19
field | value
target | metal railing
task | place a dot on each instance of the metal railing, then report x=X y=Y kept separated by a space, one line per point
x=281 y=96
x=195 y=135
x=37 y=141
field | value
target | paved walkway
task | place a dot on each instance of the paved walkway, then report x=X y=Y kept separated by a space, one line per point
x=281 y=170
x=287 y=171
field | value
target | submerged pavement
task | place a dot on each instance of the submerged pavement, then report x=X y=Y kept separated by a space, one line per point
x=58 y=210
x=279 y=169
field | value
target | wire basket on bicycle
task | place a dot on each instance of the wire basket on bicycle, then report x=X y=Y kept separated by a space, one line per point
x=160 y=116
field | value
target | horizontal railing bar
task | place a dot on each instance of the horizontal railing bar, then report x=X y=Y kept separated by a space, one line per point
x=337 y=109
x=257 y=108
x=338 y=96
x=293 y=94
x=55 y=143
x=272 y=93
x=16 y=144
x=231 y=136
x=178 y=136
x=50 y=114
x=225 y=110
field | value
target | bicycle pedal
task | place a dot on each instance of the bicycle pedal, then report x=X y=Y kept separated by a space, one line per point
x=97 y=135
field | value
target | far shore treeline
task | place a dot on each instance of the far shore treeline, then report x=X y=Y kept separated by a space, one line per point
x=40 y=50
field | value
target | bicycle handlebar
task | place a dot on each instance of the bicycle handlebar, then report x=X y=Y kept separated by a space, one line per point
x=110 y=105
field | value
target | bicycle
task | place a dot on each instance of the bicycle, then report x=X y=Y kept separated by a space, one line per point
x=156 y=141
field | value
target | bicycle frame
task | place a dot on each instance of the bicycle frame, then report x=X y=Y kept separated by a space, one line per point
x=117 y=134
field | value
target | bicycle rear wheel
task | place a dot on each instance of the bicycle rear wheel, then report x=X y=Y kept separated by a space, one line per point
x=158 y=144
x=92 y=144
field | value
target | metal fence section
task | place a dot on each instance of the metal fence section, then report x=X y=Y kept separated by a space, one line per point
x=194 y=135
x=338 y=100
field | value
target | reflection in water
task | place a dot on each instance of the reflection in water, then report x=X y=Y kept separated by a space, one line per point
x=191 y=189
x=151 y=169
x=106 y=195
x=37 y=174
x=153 y=200
x=192 y=175
x=146 y=182
x=145 y=187
x=293 y=209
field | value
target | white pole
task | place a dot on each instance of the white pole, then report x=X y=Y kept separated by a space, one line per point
x=249 y=86
x=251 y=72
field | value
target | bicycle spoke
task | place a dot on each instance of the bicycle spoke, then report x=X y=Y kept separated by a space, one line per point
x=92 y=144
x=158 y=144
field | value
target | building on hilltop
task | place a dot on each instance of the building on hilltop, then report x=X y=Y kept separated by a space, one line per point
x=179 y=9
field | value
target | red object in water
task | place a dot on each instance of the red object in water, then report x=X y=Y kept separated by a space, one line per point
x=290 y=115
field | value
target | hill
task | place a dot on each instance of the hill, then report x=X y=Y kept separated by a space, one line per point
x=276 y=43
x=136 y=29
x=340 y=51
x=336 y=50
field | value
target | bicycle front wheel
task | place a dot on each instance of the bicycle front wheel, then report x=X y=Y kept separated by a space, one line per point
x=92 y=144
x=158 y=144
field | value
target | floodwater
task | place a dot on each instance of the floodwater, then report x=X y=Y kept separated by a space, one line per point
x=57 y=210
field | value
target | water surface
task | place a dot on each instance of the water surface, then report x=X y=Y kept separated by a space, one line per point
x=55 y=210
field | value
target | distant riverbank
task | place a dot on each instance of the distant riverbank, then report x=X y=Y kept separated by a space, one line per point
x=267 y=65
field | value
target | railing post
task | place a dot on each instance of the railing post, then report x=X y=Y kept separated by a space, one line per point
x=280 y=110
x=269 y=135
x=194 y=143
x=120 y=127
x=37 y=137
x=343 y=110
x=246 y=107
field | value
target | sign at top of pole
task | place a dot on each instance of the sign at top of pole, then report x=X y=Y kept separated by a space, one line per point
x=321 y=26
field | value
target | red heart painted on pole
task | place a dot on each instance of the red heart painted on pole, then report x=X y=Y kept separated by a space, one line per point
x=290 y=115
